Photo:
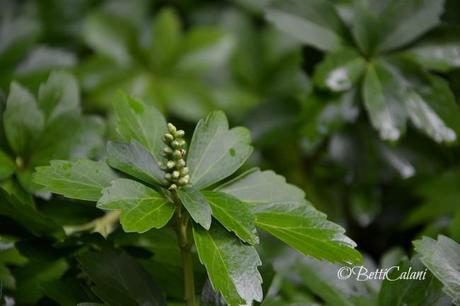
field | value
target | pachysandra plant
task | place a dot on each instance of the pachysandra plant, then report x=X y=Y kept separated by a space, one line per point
x=153 y=179
x=384 y=51
x=35 y=129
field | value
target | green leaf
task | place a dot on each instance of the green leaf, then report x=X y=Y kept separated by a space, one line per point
x=142 y=207
x=216 y=152
x=426 y=119
x=439 y=51
x=26 y=214
x=444 y=123
x=231 y=265
x=441 y=258
x=307 y=230
x=414 y=292
x=429 y=102
x=166 y=39
x=133 y=159
x=440 y=196
x=313 y=22
x=196 y=205
x=7 y=166
x=34 y=274
x=7 y=278
x=367 y=26
x=82 y=179
x=321 y=278
x=69 y=136
x=119 y=280
x=405 y=21
x=18 y=35
x=110 y=35
x=22 y=119
x=385 y=112
x=262 y=187
x=233 y=214
x=141 y=122
x=205 y=48
x=59 y=95
x=340 y=70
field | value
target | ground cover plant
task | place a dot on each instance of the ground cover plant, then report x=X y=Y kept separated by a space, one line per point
x=234 y=152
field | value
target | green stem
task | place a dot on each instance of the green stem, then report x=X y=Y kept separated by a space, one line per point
x=185 y=246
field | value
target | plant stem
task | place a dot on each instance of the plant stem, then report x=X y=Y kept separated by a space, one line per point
x=185 y=246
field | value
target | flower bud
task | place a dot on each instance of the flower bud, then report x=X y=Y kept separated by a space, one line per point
x=172 y=129
x=168 y=176
x=177 y=154
x=170 y=164
x=173 y=187
x=184 y=171
x=186 y=178
x=183 y=181
x=181 y=143
x=180 y=163
x=175 y=174
x=175 y=144
x=167 y=138
x=179 y=134
x=167 y=150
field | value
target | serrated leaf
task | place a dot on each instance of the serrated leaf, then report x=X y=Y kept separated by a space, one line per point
x=141 y=122
x=7 y=166
x=405 y=21
x=440 y=51
x=119 y=280
x=23 y=120
x=425 y=119
x=197 y=205
x=441 y=100
x=215 y=151
x=231 y=265
x=233 y=214
x=262 y=187
x=314 y=22
x=307 y=230
x=60 y=94
x=340 y=70
x=428 y=100
x=441 y=258
x=142 y=208
x=133 y=159
x=82 y=179
x=385 y=112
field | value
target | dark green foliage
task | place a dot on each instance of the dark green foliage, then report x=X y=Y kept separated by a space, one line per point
x=355 y=103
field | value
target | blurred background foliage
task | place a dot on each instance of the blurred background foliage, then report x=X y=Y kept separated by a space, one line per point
x=354 y=101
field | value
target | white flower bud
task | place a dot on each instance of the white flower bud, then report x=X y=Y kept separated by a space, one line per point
x=172 y=129
x=170 y=164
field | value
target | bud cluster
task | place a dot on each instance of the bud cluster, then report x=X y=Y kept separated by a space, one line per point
x=176 y=172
